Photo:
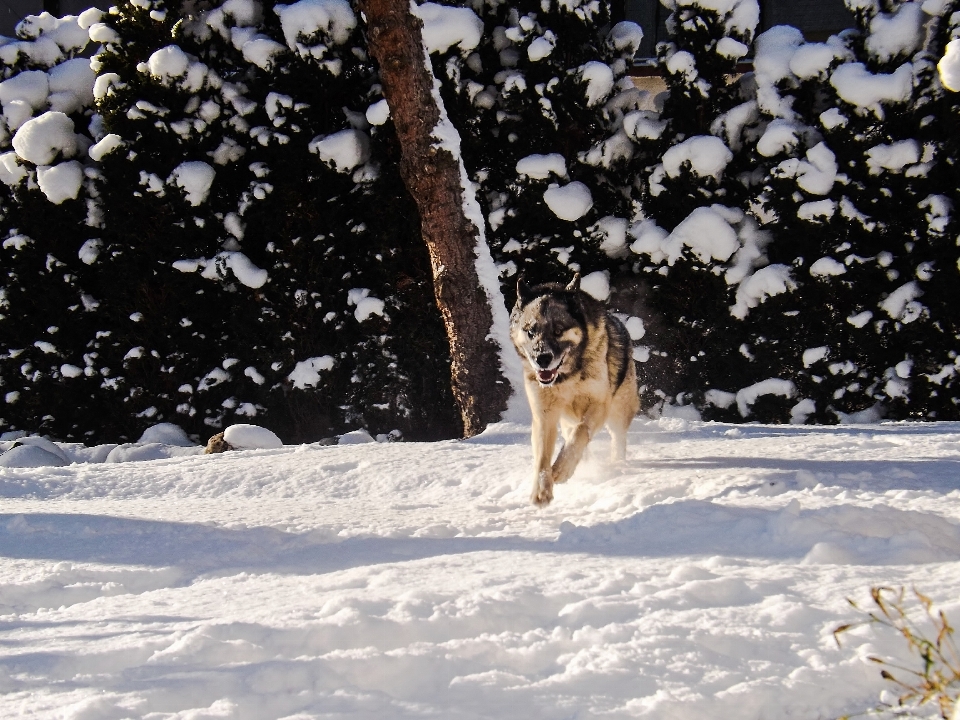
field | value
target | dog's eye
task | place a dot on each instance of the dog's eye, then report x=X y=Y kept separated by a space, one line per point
x=531 y=332
x=558 y=331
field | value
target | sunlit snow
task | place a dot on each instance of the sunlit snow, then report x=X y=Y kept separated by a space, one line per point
x=701 y=579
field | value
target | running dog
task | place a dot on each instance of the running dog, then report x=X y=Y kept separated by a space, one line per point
x=578 y=374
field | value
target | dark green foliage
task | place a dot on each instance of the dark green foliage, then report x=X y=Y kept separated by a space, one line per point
x=48 y=307
x=216 y=296
x=526 y=90
x=872 y=252
x=696 y=161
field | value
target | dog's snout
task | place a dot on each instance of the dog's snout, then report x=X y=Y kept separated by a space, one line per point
x=544 y=359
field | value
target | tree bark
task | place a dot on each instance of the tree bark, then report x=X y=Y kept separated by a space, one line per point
x=432 y=174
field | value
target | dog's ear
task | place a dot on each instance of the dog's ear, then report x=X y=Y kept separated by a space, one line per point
x=575 y=283
x=524 y=291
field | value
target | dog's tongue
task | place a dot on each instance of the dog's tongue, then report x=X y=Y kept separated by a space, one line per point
x=546 y=376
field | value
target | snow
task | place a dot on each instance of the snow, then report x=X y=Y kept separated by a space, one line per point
x=308 y=18
x=243 y=269
x=344 y=150
x=902 y=303
x=596 y=284
x=626 y=37
x=60 y=182
x=772 y=386
x=949 y=66
x=779 y=136
x=730 y=48
x=764 y=283
x=816 y=174
x=599 y=79
x=614 y=232
x=817 y=210
x=814 y=355
x=261 y=51
x=42 y=139
x=700 y=579
x=365 y=304
x=541 y=167
x=541 y=48
x=168 y=63
x=306 y=373
x=196 y=178
x=444 y=27
x=706 y=155
x=858 y=86
x=251 y=437
x=378 y=113
x=106 y=145
x=897 y=34
x=30 y=87
x=569 y=202
x=812 y=60
x=165 y=434
x=894 y=157
x=707 y=233
x=827 y=267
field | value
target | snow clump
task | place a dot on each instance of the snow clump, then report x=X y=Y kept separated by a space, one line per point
x=764 y=283
x=251 y=437
x=195 y=177
x=168 y=63
x=858 y=86
x=167 y=434
x=60 y=182
x=569 y=202
x=541 y=167
x=365 y=304
x=949 y=66
x=599 y=79
x=42 y=139
x=596 y=284
x=707 y=156
x=444 y=27
x=308 y=18
x=307 y=372
x=344 y=150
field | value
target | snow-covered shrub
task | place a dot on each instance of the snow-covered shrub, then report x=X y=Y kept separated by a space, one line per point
x=858 y=198
x=538 y=94
x=259 y=255
x=691 y=239
x=48 y=228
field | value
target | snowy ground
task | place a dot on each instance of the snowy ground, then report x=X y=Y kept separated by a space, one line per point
x=702 y=580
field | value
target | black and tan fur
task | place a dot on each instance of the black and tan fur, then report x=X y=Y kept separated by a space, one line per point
x=578 y=374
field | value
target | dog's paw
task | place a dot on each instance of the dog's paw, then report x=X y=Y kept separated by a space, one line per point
x=542 y=490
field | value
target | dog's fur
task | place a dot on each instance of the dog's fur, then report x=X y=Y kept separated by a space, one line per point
x=578 y=373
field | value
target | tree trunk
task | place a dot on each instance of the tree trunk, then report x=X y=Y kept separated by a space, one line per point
x=432 y=174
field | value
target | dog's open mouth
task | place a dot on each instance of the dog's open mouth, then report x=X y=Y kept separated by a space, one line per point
x=547 y=377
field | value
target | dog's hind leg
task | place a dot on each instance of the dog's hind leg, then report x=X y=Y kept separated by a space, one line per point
x=626 y=404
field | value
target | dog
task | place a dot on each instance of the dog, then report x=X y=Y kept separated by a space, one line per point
x=578 y=373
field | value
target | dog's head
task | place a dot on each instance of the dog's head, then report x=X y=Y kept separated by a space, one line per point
x=548 y=328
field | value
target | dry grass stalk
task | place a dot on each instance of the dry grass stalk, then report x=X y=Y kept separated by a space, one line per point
x=938 y=679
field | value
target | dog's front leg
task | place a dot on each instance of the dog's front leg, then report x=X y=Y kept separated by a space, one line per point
x=543 y=438
x=579 y=437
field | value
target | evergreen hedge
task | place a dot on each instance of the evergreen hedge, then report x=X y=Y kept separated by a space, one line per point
x=220 y=233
